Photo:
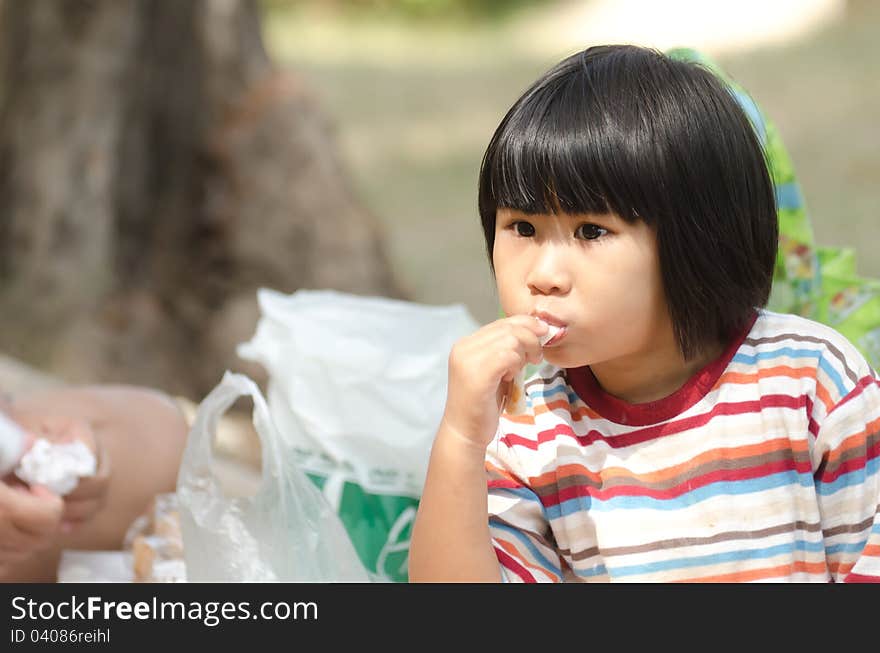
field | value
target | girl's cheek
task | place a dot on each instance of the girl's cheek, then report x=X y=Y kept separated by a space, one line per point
x=507 y=300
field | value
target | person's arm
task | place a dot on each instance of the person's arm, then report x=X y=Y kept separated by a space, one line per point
x=451 y=540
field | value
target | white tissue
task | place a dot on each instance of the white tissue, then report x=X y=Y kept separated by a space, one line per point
x=552 y=331
x=57 y=466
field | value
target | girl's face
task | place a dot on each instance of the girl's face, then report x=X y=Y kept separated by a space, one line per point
x=596 y=275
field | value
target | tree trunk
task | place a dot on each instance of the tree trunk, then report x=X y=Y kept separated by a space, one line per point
x=155 y=170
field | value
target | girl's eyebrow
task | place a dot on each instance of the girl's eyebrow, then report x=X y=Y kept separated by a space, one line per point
x=578 y=218
x=598 y=218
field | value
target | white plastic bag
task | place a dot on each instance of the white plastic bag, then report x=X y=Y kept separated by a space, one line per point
x=286 y=532
x=357 y=387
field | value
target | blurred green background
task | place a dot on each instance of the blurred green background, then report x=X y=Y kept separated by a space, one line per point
x=415 y=88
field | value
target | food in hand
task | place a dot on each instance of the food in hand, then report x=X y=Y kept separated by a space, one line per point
x=58 y=466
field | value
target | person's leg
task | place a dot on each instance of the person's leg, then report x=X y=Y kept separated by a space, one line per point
x=144 y=433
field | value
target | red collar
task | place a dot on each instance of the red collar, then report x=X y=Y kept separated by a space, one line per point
x=617 y=410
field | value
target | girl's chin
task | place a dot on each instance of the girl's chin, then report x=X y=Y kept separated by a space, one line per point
x=559 y=357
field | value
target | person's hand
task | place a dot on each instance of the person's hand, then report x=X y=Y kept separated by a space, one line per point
x=90 y=494
x=481 y=367
x=29 y=520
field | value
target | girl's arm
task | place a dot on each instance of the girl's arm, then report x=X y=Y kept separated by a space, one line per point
x=451 y=540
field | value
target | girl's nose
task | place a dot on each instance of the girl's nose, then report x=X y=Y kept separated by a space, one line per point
x=549 y=275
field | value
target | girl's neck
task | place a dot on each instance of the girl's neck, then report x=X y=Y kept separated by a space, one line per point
x=653 y=375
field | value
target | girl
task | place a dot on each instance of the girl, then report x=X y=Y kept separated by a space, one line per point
x=667 y=427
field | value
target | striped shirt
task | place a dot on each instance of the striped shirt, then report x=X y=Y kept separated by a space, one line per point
x=762 y=467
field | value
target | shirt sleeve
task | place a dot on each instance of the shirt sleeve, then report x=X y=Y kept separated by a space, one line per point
x=518 y=524
x=847 y=479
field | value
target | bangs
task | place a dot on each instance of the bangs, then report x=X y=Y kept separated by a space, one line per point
x=564 y=150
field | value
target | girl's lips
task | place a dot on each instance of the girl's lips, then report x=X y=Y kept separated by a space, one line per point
x=549 y=318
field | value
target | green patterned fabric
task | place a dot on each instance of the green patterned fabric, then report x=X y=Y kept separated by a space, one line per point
x=820 y=283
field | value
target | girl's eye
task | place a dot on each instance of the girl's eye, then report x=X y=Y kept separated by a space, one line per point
x=590 y=231
x=524 y=229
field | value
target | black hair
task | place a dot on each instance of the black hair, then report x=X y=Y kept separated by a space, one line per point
x=628 y=130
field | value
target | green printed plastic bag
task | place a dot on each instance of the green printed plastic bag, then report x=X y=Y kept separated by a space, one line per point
x=357 y=387
x=380 y=523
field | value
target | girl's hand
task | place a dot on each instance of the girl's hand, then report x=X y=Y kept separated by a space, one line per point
x=481 y=367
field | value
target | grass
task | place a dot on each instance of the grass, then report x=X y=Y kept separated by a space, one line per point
x=415 y=106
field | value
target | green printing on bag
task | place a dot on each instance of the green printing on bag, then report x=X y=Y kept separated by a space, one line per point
x=380 y=527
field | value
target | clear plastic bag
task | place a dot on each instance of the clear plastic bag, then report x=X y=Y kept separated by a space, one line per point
x=357 y=387
x=285 y=532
